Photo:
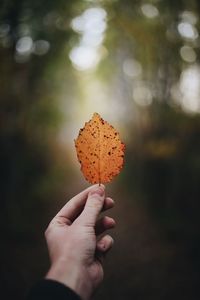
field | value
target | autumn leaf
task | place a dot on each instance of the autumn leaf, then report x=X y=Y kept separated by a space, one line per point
x=99 y=150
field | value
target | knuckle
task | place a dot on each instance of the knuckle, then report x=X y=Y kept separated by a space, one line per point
x=110 y=240
x=95 y=200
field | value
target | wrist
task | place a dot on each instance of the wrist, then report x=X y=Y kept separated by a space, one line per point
x=71 y=275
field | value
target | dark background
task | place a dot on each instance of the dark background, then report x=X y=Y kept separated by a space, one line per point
x=137 y=64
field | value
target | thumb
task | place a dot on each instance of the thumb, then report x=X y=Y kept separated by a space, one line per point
x=93 y=207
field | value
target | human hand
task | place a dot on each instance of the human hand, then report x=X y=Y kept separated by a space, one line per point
x=75 y=249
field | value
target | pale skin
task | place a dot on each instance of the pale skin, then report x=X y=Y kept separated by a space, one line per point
x=75 y=242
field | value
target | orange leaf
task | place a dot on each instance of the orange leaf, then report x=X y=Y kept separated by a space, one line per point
x=99 y=150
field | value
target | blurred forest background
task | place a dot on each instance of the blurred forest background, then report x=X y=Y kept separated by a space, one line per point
x=137 y=63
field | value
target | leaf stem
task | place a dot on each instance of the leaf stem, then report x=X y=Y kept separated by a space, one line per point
x=99 y=163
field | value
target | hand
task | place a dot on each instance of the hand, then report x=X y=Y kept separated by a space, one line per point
x=75 y=250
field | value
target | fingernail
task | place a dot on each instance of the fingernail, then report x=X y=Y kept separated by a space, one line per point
x=100 y=191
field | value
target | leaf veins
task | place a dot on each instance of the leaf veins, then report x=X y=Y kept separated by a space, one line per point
x=99 y=150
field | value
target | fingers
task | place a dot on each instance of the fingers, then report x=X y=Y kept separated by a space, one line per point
x=104 y=244
x=108 y=203
x=93 y=207
x=73 y=207
x=104 y=224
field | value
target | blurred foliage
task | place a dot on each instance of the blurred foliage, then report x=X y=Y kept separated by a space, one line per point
x=147 y=77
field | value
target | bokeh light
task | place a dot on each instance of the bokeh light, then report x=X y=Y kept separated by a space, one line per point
x=149 y=10
x=91 y=25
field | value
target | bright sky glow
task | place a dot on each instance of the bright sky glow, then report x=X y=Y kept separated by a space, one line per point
x=84 y=57
x=91 y=40
x=91 y=26
x=93 y=19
